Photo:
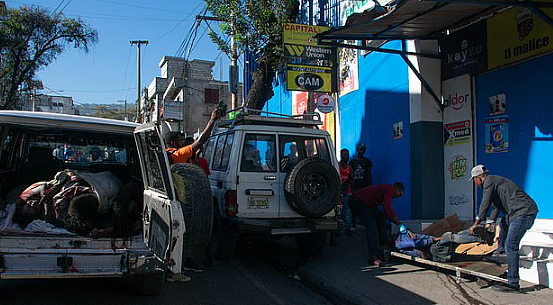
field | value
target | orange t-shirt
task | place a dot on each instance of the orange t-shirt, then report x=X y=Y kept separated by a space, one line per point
x=182 y=154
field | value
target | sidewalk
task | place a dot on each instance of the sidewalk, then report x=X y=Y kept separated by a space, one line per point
x=340 y=273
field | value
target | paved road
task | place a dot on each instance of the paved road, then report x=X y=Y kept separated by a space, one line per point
x=246 y=279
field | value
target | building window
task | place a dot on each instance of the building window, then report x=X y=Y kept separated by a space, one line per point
x=211 y=96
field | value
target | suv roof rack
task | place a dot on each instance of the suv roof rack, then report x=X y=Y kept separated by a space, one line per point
x=246 y=116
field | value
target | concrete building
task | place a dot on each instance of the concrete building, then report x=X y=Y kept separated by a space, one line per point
x=49 y=103
x=185 y=94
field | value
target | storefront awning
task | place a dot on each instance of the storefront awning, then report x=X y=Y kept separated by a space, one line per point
x=422 y=19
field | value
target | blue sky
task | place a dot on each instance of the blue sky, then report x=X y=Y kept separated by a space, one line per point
x=107 y=73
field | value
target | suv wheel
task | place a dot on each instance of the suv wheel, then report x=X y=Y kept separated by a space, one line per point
x=194 y=193
x=312 y=187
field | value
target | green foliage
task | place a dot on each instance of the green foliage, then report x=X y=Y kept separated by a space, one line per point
x=257 y=26
x=31 y=38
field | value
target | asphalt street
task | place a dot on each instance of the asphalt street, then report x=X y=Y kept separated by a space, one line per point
x=251 y=277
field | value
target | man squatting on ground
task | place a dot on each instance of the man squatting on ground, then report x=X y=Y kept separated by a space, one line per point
x=364 y=203
x=180 y=153
x=502 y=194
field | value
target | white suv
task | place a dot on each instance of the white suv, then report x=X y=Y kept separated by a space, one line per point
x=273 y=175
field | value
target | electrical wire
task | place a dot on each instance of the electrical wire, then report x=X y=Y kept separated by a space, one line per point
x=126 y=70
x=150 y=8
x=177 y=25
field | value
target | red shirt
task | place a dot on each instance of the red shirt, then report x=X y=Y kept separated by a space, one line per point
x=202 y=162
x=344 y=176
x=376 y=195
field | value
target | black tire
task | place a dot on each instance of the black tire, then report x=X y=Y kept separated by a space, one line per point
x=194 y=193
x=225 y=241
x=312 y=187
x=147 y=284
x=310 y=244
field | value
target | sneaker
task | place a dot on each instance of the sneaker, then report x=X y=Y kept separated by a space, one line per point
x=380 y=263
x=348 y=232
x=506 y=288
x=177 y=277
x=190 y=265
x=353 y=229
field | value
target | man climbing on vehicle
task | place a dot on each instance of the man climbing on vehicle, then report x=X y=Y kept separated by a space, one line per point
x=176 y=145
x=180 y=152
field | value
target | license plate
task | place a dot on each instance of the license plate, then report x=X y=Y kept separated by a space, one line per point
x=258 y=203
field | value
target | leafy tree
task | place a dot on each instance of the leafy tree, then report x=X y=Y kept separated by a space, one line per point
x=32 y=38
x=258 y=27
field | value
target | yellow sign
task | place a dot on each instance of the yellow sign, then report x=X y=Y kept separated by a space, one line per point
x=517 y=34
x=302 y=34
x=308 y=78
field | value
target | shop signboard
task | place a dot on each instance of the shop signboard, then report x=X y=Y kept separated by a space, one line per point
x=464 y=51
x=517 y=34
x=302 y=34
x=458 y=147
x=308 y=78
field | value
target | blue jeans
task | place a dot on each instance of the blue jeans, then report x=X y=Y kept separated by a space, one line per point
x=346 y=212
x=514 y=230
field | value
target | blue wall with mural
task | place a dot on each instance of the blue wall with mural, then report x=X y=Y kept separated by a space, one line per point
x=529 y=107
x=368 y=115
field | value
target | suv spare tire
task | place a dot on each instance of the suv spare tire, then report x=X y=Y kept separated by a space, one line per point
x=194 y=193
x=312 y=187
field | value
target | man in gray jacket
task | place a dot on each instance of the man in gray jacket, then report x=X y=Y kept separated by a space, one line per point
x=502 y=194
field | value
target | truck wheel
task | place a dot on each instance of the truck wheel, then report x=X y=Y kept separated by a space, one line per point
x=312 y=187
x=194 y=193
x=225 y=241
x=147 y=284
x=310 y=244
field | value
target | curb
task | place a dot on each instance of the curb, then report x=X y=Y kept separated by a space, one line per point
x=329 y=291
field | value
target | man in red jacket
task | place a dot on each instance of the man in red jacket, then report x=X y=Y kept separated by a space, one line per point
x=364 y=203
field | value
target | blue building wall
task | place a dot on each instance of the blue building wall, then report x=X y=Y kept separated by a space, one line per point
x=368 y=114
x=528 y=91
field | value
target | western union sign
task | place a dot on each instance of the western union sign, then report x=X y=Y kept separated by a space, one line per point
x=302 y=34
x=308 y=52
x=308 y=78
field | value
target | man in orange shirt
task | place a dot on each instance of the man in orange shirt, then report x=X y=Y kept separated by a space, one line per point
x=175 y=140
x=180 y=152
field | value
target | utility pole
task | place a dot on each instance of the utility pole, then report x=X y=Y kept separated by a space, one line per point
x=138 y=43
x=125 y=117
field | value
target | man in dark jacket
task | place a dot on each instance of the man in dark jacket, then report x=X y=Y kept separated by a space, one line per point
x=364 y=203
x=502 y=194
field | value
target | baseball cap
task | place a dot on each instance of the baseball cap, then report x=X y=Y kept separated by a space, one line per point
x=477 y=171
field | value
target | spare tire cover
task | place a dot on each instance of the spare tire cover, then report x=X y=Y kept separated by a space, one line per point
x=312 y=187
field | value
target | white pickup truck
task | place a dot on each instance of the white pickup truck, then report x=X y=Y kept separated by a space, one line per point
x=35 y=146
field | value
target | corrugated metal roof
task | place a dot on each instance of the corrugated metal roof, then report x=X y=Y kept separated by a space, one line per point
x=414 y=19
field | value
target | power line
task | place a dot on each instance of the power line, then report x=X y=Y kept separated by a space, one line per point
x=61 y=11
x=88 y=91
x=126 y=71
x=175 y=27
x=150 y=8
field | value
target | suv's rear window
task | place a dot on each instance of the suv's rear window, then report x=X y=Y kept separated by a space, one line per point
x=222 y=152
x=294 y=149
x=258 y=153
